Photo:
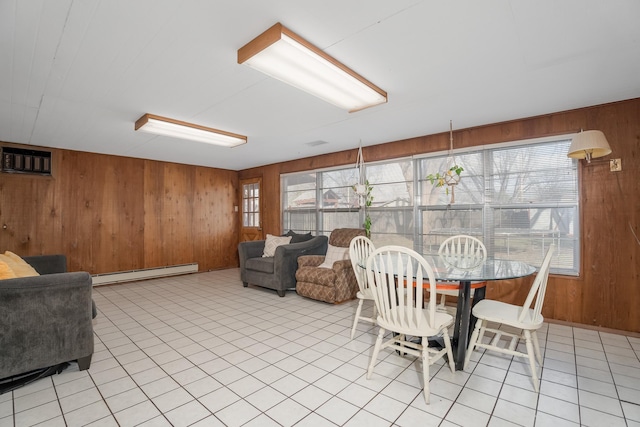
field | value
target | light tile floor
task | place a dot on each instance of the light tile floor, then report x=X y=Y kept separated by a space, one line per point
x=202 y=350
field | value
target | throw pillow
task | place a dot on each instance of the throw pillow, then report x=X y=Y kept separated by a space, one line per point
x=6 y=272
x=298 y=237
x=18 y=265
x=273 y=242
x=334 y=253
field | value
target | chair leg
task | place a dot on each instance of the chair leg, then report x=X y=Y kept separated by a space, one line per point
x=402 y=338
x=475 y=337
x=425 y=370
x=356 y=317
x=532 y=361
x=447 y=346
x=374 y=356
x=443 y=302
x=536 y=347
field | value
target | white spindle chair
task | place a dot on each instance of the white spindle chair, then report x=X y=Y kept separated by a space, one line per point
x=359 y=250
x=461 y=251
x=524 y=318
x=397 y=276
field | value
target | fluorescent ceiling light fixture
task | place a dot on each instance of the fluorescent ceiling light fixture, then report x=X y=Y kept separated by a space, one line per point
x=183 y=130
x=589 y=144
x=282 y=54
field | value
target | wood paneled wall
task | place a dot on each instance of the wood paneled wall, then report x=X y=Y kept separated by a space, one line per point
x=109 y=213
x=607 y=293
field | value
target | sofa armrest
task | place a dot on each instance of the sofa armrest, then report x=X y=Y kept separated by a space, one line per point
x=286 y=258
x=310 y=260
x=342 y=265
x=47 y=264
x=46 y=320
x=250 y=249
x=346 y=284
x=316 y=246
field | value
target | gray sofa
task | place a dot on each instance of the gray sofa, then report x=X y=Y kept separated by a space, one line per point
x=45 y=320
x=279 y=271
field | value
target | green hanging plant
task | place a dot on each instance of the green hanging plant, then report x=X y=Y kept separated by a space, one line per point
x=365 y=193
x=449 y=178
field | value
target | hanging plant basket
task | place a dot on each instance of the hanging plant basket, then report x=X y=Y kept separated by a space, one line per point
x=363 y=191
x=366 y=200
x=451 y=176
x=360 y=189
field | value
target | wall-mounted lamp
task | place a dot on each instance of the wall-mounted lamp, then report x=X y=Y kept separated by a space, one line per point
x=178 y=129
x=589 y=144
x=282 y=54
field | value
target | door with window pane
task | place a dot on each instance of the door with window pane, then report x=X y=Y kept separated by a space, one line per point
x=250 y=210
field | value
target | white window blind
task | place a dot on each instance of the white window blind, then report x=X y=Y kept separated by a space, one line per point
x=339 y=207
x=517 y=199
x=299 y=202
x=532 y=197
x=392 y=210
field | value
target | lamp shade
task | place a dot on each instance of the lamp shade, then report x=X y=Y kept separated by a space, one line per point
x=282 y=54
x=589 y=144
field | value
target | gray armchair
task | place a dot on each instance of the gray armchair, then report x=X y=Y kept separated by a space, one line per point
x=47 y=319
x=279 y=271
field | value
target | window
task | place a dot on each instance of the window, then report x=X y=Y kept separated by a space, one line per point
x=251 y=205
x=533 y=200
x=517 y=198
x=320 y=201
x=299 y=202
x=392 y=213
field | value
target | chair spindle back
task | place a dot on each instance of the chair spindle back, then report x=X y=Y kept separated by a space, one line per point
x=463 y=245
x=396 y=275
x=539 y=288
x=359 y=250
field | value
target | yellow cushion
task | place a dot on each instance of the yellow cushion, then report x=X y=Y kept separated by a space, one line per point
x=18 y=265
x=6 y=272
x=14 y=257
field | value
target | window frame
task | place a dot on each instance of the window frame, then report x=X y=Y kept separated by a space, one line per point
x=488 y=209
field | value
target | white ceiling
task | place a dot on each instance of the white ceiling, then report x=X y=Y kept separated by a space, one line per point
x=77 y=74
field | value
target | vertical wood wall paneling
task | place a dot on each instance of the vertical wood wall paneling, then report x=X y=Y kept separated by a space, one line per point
x=178 y=212
x=154 y=241
x=109 y=213
x=97 y=198
x=82 y=228
x=215 y=250
x=607 y=293
x=27 y=207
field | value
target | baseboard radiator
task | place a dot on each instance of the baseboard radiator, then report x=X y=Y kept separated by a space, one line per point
x=143 y=274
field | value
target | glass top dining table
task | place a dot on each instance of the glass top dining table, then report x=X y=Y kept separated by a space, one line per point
x=448 y=269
